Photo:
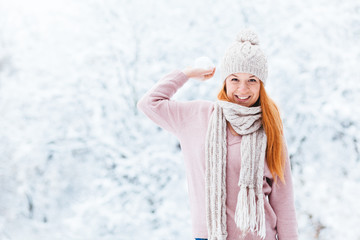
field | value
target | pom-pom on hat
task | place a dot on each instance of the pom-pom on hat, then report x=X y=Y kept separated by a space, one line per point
x=246 y=56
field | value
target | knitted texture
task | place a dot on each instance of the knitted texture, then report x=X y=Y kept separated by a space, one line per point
x=249 y=215
x=246 y=56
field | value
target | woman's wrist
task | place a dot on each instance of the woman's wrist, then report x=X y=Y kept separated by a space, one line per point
x=187 y=72
x=199 y=73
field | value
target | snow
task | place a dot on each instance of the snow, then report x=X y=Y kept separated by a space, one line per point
x=79 y=161
x=204 y=62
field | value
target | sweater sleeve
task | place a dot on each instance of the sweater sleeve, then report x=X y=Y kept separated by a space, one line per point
x=281 y=199
x=158 y=106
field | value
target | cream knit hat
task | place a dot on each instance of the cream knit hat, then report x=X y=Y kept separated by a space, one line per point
x=245 y=55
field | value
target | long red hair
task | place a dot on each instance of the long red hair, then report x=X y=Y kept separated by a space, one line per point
x=274 y=132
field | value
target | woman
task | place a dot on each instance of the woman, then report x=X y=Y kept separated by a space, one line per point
x=233 y=148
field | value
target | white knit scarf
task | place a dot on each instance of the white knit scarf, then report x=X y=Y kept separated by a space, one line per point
x=249 y=215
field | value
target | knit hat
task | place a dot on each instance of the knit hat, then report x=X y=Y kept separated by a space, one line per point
x=246 y=56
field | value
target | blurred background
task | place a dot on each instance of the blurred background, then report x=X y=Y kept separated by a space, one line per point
x=79 y=161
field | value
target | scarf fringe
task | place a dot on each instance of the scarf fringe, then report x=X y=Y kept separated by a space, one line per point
x=246 y=210
x=218 y=236
x=250 y=214
x=261 y=228
x=252 y=209
x=242 y=210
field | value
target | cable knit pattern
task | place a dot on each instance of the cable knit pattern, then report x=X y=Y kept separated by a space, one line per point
x=249 y=216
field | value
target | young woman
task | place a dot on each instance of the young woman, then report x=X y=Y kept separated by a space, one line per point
x=238 y=172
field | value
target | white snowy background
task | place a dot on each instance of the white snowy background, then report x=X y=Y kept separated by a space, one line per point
x=79 y=161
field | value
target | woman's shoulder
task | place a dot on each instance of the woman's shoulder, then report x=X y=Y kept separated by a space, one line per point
x=206 y=104
x=196 y=109
x=203 y=106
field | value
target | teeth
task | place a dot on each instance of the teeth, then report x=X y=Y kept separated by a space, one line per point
x=243 y=98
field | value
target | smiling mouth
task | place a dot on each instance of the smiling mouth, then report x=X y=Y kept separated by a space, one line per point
x=242 y=98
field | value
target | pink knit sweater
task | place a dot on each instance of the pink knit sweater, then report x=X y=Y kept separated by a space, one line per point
x=189 y=121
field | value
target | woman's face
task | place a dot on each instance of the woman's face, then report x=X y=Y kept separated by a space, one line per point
x=243 y=88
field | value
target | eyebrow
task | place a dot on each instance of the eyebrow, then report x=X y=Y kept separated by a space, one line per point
x=237 y=76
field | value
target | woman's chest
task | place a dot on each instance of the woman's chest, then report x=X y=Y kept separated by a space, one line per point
x=233 y=153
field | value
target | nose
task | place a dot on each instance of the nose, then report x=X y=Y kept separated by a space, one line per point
x=242 y=86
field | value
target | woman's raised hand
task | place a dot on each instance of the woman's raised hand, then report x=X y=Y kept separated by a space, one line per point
x=201 y=74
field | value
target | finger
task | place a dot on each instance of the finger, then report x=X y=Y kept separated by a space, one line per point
x=212 y=73
x=208 y=76
x=208 y=71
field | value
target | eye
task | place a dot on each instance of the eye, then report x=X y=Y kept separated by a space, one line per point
x=252 y=80
x=234 y=79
